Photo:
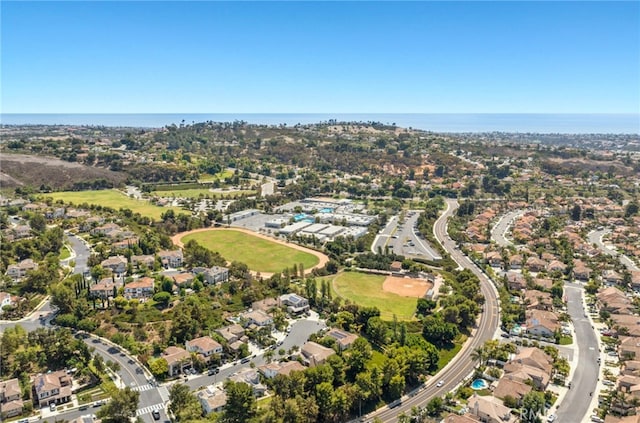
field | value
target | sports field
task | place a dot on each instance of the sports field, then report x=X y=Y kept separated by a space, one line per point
x=367 y=290
x=114 y=199
x=258 y=252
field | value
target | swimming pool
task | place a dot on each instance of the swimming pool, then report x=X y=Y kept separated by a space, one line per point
x=479 y=384
x=299 y=217
x=326 y=210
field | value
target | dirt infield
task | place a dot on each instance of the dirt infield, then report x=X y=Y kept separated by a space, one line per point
x=406 y=287
x=323 y=259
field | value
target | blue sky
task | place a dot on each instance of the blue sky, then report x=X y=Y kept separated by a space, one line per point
x=305 y=57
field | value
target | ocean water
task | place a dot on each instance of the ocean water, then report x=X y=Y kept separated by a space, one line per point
x=436 y=122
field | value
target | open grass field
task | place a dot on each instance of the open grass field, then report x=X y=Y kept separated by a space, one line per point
x=114 y=199
x=366 y=290
x=217 y=177
x=261 y=255
x=197 y=192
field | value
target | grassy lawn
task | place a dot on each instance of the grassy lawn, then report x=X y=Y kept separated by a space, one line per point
x=264 y=402
x=566 y=340
x=366 y=290
x=259 y=254
x=447 y=354
x=204 y=192
x=64 y=253
x=114 y=199
x=217 y=177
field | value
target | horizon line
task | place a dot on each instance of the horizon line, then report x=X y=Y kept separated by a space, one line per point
x=321 y=113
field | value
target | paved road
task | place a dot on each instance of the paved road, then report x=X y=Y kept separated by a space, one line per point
x=385 y=234
x=575 y=404
x=595 y=237
x=131 y=373
x=500 y=229
x=462 y=365
x=300 y=332
x=39 y=318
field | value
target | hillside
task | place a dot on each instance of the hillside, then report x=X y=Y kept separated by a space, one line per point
x=28 y=170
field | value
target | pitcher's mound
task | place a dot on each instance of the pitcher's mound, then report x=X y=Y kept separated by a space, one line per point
x=406 y=287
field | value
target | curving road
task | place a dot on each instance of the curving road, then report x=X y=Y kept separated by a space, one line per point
x=462 y=364
x=131 y=372
x=595 y=237
x=499 y=231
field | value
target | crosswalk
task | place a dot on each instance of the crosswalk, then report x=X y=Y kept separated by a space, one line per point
x=149 y=409
x=141 y=388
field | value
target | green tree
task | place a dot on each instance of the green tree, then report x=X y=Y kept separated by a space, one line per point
x=324 y=396
x=576 y=212
x=377 y=330
x=425 y=306
x=38 y=223
x=162 y=298
x=396 y=386
x=241 y=404
x=532 y=406
x=434 y=406
x=159 y=367
x=184 y=404
x=631 y=209
x=437 y=331
x=122 y=407
x=510 y=401
x=63 y=297
x=38 y=280
x=357 y=356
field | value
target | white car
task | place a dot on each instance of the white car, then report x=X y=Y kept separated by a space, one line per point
x=551 y=418
x=439 y=384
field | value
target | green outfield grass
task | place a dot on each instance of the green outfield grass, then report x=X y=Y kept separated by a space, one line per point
x=259 y=254
x=114 y=199
x=366 y=290
x=196 y=192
